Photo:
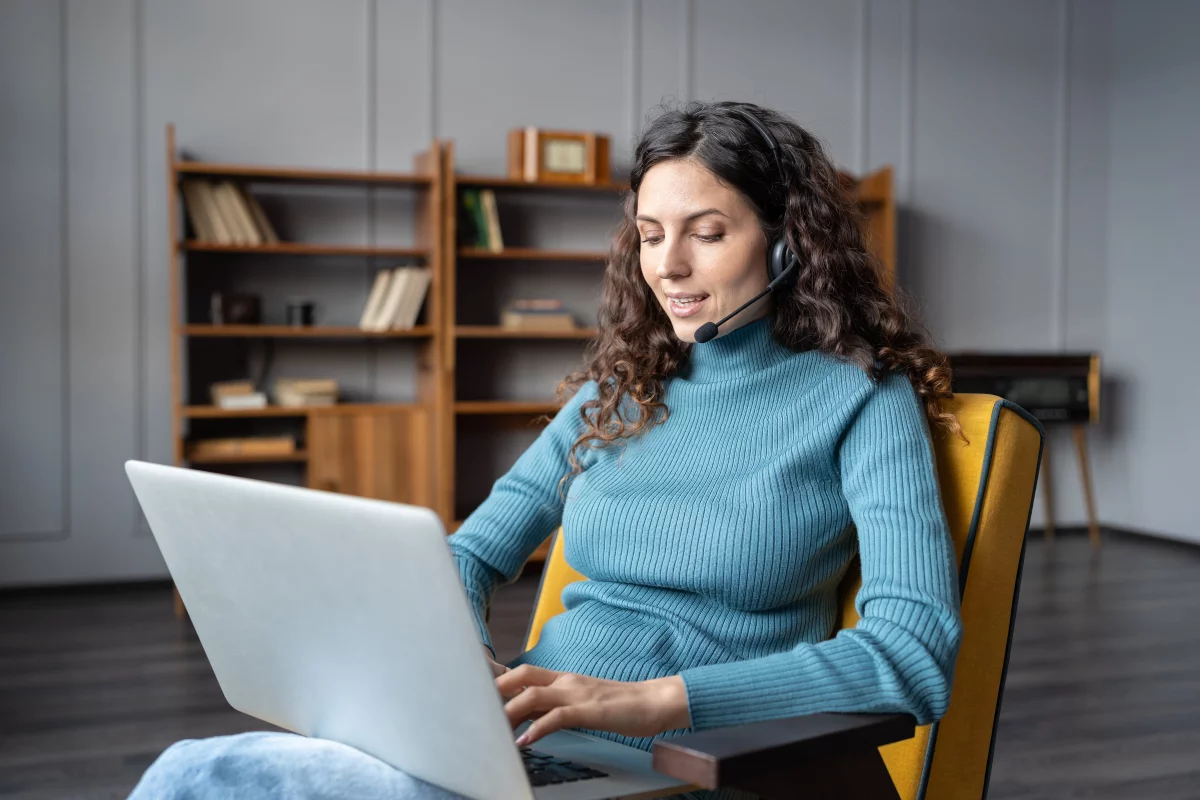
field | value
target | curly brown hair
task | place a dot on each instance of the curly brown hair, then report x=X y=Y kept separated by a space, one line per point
x=839 y=303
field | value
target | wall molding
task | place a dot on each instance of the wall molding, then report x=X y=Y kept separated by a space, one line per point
x=141 y=528
x=862 y=88
x=1060 y=189
x=63 y=532
x=686 y=52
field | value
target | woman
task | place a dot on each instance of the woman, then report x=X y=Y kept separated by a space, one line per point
x=715 y=492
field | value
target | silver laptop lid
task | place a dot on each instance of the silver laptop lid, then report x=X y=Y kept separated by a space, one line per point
x=317 y=612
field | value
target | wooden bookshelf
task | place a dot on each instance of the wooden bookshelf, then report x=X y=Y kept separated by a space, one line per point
x=374 y=448
x=358 y=447
x=214 y=412
x=309 y=332
x=531 y=254
x=494 y=407
x=501 y=182
x=249 y=458
x=265 y=174
x=302 y=249
x=499 y=332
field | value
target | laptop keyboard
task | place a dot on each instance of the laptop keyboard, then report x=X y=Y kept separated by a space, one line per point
x=544 y=769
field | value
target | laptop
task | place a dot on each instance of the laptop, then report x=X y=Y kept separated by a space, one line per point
x=344 y=618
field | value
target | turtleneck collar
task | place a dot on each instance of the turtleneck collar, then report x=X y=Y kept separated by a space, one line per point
x=741 y=352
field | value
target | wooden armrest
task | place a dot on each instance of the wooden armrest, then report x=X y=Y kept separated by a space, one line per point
x=760 y=755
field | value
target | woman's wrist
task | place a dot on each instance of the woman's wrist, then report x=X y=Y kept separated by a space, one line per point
x=672 y=700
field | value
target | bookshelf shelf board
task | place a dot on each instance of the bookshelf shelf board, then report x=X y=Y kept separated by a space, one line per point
x=505 y=407
x=498 y=332
x=532 y=254
x=251 y=458
x=312 y=332
x=301 y=249
x=297 y=175
x=212 y=412
x=500 y=182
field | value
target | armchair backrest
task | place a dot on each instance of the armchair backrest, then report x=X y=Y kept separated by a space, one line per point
x=987 y=486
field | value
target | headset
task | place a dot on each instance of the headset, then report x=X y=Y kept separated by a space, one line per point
x=783 y=265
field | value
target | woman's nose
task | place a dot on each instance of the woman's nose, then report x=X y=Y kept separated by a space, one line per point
x=673 y=261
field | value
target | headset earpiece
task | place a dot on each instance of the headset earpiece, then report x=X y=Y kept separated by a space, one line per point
x=780 y=260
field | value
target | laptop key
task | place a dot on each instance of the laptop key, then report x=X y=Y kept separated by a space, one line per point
x=544 y=769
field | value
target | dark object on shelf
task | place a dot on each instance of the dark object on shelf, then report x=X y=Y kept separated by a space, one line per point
x=231 y=308
x=1054 y=387
x=301 y=313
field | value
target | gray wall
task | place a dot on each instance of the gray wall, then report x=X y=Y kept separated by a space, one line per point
x=1147 y=460
x=995 y=115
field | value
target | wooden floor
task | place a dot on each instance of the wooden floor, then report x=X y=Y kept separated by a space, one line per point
x=1102 y=698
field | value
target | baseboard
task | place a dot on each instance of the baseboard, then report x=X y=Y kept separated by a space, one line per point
x=94 y=588
x=1113 y=530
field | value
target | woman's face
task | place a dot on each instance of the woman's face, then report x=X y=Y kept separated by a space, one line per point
x=701 y=242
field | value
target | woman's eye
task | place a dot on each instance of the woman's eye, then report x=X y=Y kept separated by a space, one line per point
x=652 y=240
x=715 y=237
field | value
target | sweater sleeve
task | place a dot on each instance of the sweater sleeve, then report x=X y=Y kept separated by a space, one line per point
x=523 y=508
x=901 y=655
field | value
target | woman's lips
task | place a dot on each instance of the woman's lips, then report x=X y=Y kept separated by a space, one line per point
x=686 y=309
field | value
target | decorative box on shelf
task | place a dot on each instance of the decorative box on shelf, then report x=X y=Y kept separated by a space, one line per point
x=544 y=156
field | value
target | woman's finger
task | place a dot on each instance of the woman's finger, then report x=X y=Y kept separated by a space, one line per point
x=525 y=675
x=551 y=721
x=533 y=702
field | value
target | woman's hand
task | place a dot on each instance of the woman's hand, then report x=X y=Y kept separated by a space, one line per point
x=497 y=668
x=556 y=700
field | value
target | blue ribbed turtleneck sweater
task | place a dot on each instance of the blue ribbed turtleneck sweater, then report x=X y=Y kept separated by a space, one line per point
x=714 y=543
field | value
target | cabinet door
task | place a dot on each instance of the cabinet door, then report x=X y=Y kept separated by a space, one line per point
x=381 y=454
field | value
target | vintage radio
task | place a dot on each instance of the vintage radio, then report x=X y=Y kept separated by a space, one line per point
x=1054 y=387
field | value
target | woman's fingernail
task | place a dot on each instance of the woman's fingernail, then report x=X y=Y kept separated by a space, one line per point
x=523 y=739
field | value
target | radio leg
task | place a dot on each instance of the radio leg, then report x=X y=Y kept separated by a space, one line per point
x=1086 y=475
x=1047 y=495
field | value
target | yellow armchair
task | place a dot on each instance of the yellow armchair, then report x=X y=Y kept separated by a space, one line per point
x=987 y=486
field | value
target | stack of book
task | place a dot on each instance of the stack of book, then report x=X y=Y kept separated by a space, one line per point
x=236 y=395
x=306 y=392
x=480 y=220
x=540 y=315
x=243 y=446
x=395 y=299
x=225 y=213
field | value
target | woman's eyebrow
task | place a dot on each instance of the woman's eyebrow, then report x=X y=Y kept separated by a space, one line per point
x=688 y=218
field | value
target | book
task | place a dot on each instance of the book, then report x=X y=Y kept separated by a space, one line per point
x=419 y=279
x=241 y=401
x=391 y=303
x=197 y=211
x=306 y=392
x=234 y=211
x=537 y=305
x=475 y=229
x=265 y=229
x=495 y=242
x=243 y=446
x=374 y=302
x=207 y=198
x=540 y=320
x=531 y=153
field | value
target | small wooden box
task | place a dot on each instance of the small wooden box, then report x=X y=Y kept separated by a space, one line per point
x=541 y=156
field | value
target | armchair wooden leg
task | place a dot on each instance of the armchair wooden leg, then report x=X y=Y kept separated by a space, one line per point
x=180 y=610
x=1086 y=475
x=855 y=776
